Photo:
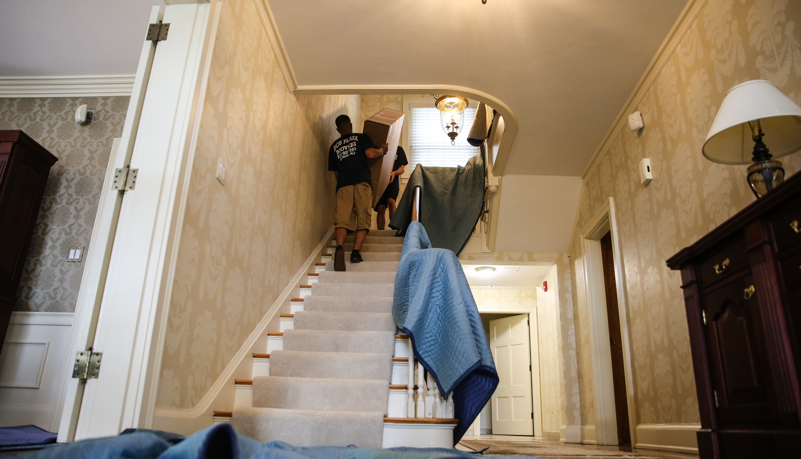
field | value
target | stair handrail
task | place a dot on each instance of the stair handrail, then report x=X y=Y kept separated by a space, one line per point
x=416 y=204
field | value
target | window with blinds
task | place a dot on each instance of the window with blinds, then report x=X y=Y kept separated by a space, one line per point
x=429 y=144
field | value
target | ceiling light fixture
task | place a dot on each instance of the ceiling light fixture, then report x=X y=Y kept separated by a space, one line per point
x=451 y=114
x=485 y=271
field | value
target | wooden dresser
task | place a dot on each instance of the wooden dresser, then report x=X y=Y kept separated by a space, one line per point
x=742 y=292
x=24 y=167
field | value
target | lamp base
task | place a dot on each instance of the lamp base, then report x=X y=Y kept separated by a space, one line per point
x=765 y=175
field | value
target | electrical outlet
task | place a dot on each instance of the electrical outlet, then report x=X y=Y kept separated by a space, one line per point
x=221 y=170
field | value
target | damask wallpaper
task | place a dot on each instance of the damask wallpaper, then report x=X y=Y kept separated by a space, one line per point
x=241 y=243
x=551 y=389
x=67 y=215
x=728 y=43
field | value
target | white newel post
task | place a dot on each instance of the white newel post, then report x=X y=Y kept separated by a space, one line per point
x=410 y=379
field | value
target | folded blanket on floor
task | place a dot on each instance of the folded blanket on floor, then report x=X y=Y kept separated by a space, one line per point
x=25 y=436
x=452 y=201
x=434 y=306
x=222 y=442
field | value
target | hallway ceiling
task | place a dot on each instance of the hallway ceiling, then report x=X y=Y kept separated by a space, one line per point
x=565 y=67
x=521 y=276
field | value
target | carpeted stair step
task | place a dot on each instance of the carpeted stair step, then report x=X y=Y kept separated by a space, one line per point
x=370 y=239
x=320 y=394
x=356 y=277
x=366 y=266
x=380 y=342
x=331 y=365
x=315 y=303
x=311 y=427
x=344 y=321
x=367 y=256
x=332 y=289
x=371 y=248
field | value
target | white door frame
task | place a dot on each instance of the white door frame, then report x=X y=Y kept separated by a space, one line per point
x=131 y=259
x=601 y=356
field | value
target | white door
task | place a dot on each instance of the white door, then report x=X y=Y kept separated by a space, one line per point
x=511 y=402
x=130 y=320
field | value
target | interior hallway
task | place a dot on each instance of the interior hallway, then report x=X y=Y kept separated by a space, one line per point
x=510 y=445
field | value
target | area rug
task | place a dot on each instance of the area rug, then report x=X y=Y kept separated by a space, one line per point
x=543 y=449
x=25 y=436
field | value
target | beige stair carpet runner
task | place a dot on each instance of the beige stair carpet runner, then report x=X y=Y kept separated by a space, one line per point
x=330 y=383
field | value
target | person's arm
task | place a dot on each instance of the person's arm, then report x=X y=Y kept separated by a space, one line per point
x=374 y=153
x=397 y=173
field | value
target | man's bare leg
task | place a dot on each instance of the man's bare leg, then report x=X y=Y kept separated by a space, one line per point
x=341 y=233
x=392 y=207
x=358 y=239
x=380 y=217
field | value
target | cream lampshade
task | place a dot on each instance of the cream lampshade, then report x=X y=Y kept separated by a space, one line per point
x=750 y=111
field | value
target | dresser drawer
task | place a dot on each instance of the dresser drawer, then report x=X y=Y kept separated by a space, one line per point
x=728 y=259
x=786 y=224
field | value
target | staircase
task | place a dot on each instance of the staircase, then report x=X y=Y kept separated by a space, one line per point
x=336 y=368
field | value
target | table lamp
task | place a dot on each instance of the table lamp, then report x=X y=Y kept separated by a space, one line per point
x=750 y=111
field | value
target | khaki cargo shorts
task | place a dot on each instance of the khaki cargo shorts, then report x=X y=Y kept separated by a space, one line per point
x=353 y=207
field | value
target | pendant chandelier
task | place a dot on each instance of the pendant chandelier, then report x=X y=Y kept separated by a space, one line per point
x=451 y=114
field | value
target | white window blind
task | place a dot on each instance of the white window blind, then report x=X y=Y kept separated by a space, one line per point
x=429 y=144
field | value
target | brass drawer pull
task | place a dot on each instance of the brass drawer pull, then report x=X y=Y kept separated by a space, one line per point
x=719 y=269
x=794 y=226
x=749 y=292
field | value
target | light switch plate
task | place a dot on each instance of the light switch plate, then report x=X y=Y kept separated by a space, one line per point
x=75 y=254
x=221 y=170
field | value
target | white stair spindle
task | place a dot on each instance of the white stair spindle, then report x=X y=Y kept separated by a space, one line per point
x=421 y=392
x=449 y=407
x=439 y=407
x=410 y=396
x=430 y=399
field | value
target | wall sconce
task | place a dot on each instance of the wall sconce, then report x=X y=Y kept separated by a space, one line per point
x=750 y=111
x=451 y=113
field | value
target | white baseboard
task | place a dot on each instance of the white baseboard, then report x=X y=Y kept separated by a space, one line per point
x=588 y=435
x=70 y=86
x=221 y=395
x=548 y=435
x=678 y=438
x=570 y=434
x=32 y=363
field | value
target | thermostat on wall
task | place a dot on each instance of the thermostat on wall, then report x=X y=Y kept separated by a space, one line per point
x=635 y=121
x=645 y=171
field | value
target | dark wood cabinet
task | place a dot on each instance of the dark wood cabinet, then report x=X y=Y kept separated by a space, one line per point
x=742 y=292
x=24 y=167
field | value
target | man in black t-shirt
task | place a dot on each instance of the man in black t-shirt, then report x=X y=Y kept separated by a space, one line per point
x=391 y=193
x=347 y=158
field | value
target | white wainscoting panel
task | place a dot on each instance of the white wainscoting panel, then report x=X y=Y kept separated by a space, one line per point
x=31 y=365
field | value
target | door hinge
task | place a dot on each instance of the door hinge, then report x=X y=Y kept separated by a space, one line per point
x=124 y=179
x=157 y=32
x=532 y=415
x=703 y=316
x=529 y=367
x=715 y=393
x=87 y=365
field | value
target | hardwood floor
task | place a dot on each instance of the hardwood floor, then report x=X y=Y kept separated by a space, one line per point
x=553 y=449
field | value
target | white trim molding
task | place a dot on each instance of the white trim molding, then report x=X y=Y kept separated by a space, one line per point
x=66 y=86
x=677 y=438
x=672 y=41
x=276 y=43
x=42 y=318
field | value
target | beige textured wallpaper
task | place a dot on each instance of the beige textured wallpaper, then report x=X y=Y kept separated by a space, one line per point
x=551 y=389
x=242 y=243
x=67 y=215
x=728 y=43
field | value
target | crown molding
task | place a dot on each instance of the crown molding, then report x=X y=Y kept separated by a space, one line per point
x=276 y=43
x=67 y=86
x=663 y=55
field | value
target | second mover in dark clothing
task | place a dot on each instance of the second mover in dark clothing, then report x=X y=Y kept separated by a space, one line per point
x=348 y=158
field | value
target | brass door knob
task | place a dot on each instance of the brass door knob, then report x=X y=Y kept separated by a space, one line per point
x=794 y=226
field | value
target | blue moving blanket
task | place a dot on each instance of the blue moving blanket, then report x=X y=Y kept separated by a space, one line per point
x=434 y=306
x=222 y=442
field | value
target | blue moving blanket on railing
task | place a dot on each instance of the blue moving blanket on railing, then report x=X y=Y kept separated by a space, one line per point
x=434 y=306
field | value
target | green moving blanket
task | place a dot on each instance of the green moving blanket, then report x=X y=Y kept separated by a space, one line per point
x=452 y=201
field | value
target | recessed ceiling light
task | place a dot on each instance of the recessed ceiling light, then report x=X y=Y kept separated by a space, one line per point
x=485 y=271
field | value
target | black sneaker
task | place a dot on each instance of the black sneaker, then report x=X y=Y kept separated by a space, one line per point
x=339 y=259
x=355 y=257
